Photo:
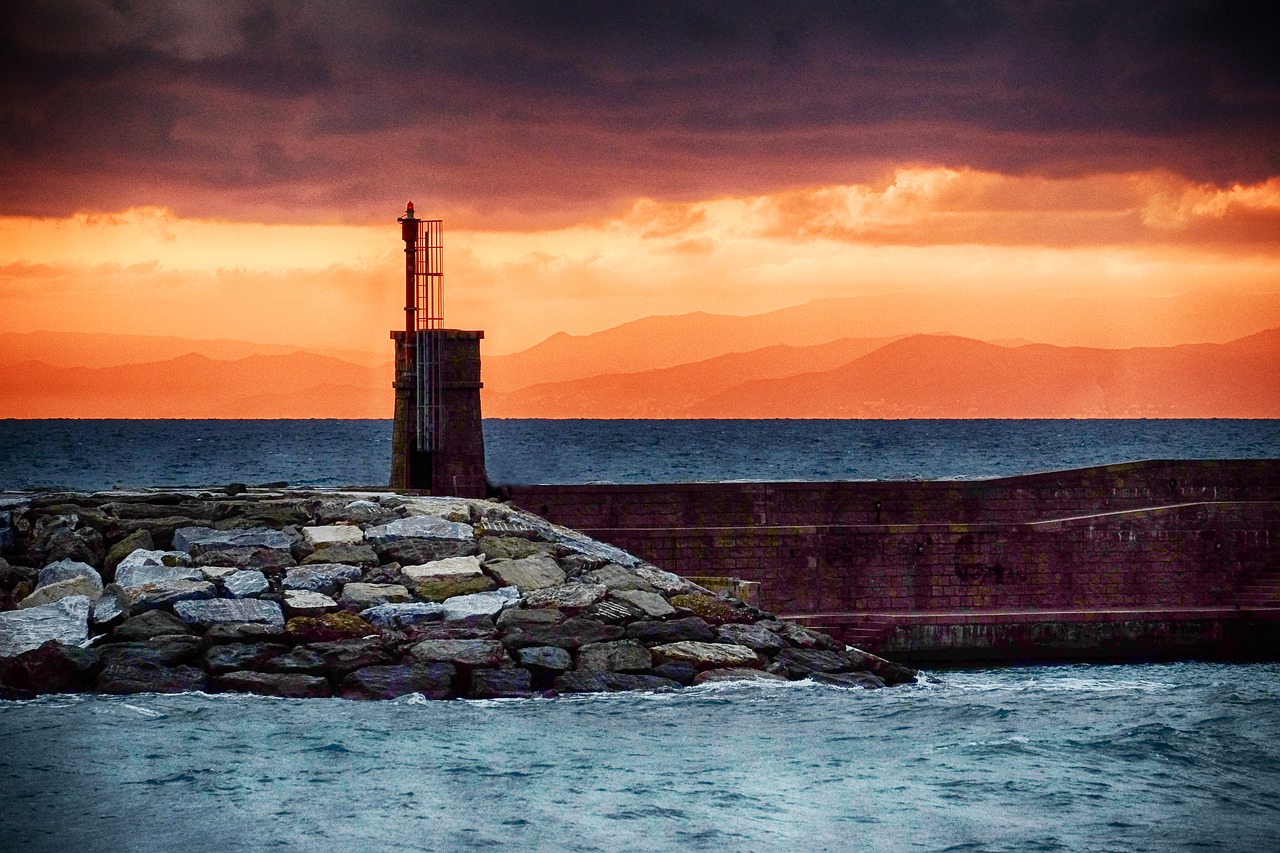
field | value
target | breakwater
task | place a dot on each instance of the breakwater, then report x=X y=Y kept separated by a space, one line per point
x=364 y=595
x=1163 y=558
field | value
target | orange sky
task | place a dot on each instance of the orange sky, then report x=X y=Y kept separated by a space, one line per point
x=235 y=169
x=148 y=271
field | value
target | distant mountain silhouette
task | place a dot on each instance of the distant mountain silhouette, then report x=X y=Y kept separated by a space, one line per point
x=669 y=392
x=950 y=377
x=299 y=385
x=87 y=349
x=653 y=343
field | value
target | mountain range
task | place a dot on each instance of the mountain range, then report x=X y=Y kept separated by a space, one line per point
x=781 y=365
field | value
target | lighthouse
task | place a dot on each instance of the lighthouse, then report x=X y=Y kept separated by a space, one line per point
x=437 y=444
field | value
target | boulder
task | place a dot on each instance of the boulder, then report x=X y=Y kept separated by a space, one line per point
x=359 y=511
x=248 y=632
x=161 y=529
x=713 y=610
x=83 y=544
x=329 y=627
x=138 y=540
x=409 y=552
x=892 y=674
x=65 y=620
x=300 y=661
x=321 y=577
x=706 y=655
x=482 y=653
x=332 y=534
x=361 y=596
x=676 y=670
x=571 y=597
x=341 y=552
x=614 y=612
x=476 y=628
x=799 y=663
x=500 y=684
x=233 y=656
x=545 y=658
x=247 y=558
x=434 y=681
x=108 y=609
x=49 y=593
x=864 y=680
x=217 y=573
x=798 y=635
x=446 y=508
x=450 y=568
x=285 y=685
x=420 y=527
x=617 y=577
x=755 y=637
x=202 y=540
x=514 y=617
x=165 y=594
x=649 y=604
x=304 y=602
x=65 y=570
x=479 y=604
x=735 y=674
x=526 y=574
x=344 y=656
x=673 y=631
x=157 y=651
x=245 y=583
x=143 y=566
x=223 y=611
x=595 y=681
x=50 y=668
x=395 y=617
x=511 y=547
x=442 y=589
x=664 y=582
x=570 y=634
x=144 y=677
x=153 y=623
x=614 y=656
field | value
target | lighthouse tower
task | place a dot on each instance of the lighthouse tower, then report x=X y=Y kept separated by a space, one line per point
x=437 y=444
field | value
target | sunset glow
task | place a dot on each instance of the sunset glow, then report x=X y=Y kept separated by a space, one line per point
x=594 y=171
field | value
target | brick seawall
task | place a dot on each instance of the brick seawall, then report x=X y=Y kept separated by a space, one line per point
x=871 y=560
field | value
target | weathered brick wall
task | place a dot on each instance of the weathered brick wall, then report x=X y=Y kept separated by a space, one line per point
x=945 y=546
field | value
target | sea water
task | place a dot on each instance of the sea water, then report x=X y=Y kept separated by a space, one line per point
x=1181 y=756
x=101 y=454
x=1162 y=757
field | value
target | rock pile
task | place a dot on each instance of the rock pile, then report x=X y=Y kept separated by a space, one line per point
x=365 y=595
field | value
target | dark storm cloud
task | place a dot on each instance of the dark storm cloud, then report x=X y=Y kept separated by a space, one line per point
x=538 y=111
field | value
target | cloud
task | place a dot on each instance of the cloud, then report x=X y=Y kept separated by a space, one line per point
x=512 y=114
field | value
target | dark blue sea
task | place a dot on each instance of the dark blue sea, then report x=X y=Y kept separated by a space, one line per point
x=90 y=454
x=1150 y=757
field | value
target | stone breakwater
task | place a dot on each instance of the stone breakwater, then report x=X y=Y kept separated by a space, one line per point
x=364 y=596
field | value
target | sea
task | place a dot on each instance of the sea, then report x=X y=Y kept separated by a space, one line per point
x=1135 y=757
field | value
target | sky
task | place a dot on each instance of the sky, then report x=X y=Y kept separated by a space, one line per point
x=234 y=169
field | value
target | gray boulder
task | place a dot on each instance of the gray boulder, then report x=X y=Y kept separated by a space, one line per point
x=706 y=655
x=201 y=540
x=674 y=631
x=752 y=636
x=864 y=680
x=344 y=656
x=65 y=570
x=419 y=527
x=153 y=623
x=225 y=611
x=570 y=634
x=615 y=656
x=595 y=681
x=547 y=658
x=479 y=604
x=65 y=620
x=434 y=681
x=144 y=677
x=527 y=574
x=300 y=661
x=321 y=577
x=75 y=586
x=361 y=596
x=395 y=617
x=650 y=604
x=618 y=578
x=245 y=583
x=799 y=663
x=571 y=597
x=304 y=602
x=736 y=674
x=482 y=653
x=500 y=684
x=289 y=686
x=234 y=656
